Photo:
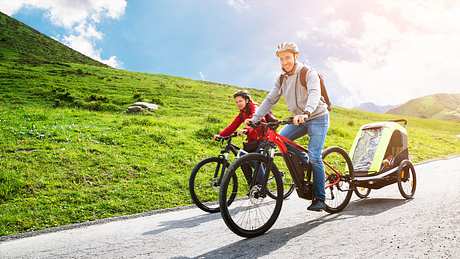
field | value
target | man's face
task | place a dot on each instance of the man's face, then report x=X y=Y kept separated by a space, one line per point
x=287 y=60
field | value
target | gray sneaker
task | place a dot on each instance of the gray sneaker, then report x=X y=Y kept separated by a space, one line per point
x=317 y=205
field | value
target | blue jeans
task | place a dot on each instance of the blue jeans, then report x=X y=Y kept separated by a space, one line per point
x=317 y=130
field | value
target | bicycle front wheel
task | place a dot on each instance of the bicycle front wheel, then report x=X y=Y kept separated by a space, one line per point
x=253 y=212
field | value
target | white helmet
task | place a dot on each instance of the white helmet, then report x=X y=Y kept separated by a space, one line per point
x=287 y=46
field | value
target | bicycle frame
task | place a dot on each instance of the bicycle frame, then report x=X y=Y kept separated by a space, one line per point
x=223 y=156
x=229 y=147
x=272 y=139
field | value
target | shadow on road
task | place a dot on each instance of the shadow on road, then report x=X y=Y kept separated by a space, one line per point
x=190 y=222
x=271 y=241
x=184 y=223
x=372 y=206
x=277 y=238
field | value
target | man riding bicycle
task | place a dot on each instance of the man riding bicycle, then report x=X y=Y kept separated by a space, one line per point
x=311 y=115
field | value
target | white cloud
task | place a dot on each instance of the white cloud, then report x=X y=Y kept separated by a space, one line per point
x=68 y=13
x=78 y=17
x=239 y=5
x=386 y=51
x=10 y=7
x=202 y=76
x=329 y=10
x=404 y=59
x=84 y=42
x=337 y=28
x=302 y=34
x=327 y=34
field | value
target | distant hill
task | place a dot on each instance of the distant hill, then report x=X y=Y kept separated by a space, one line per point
x=26 y=45
x=437 y=106
x=372 y=107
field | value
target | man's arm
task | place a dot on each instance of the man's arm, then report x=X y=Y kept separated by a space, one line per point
x=314 y=92
x=271 y=99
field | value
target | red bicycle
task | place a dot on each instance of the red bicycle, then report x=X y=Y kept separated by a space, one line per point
x=258 y=203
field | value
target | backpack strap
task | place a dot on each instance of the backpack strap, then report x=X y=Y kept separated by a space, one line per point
x=303 y=81
x=303 y=76
x=281 y=79
x=324 y=92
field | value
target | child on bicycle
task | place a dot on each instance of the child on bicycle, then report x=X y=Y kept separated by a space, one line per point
x=247 y=108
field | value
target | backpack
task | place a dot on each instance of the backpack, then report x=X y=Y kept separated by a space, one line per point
x=303 y=80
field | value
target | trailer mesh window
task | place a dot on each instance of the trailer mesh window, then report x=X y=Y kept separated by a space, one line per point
x=366 y=148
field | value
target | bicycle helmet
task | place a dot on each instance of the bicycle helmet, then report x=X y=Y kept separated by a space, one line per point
x=287 y=46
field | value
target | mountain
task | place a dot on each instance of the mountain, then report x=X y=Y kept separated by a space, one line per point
x=372 y=107
x=70 y=153
x=441 y=106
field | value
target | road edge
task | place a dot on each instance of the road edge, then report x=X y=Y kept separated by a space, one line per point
x=137 y=215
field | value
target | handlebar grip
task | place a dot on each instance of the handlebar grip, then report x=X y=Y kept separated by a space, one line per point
x=252 y=124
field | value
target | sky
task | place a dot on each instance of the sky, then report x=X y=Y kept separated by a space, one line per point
x=385 y=52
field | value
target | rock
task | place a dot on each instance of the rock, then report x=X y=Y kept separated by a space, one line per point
x=134 y=109
x=145 y=105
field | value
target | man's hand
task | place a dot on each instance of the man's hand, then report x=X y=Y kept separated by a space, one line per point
x=248 y=121
x=299 y=119
x=216 y=137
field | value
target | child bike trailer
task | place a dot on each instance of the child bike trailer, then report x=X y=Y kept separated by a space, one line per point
x=380 y=157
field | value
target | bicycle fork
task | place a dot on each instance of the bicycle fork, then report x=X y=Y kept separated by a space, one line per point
x=269 y=154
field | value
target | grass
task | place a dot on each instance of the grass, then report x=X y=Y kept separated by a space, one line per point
x=69 y=152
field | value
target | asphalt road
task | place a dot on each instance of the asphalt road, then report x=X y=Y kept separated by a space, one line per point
x=382 y=226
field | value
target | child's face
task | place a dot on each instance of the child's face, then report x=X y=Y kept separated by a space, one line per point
x=240 y=102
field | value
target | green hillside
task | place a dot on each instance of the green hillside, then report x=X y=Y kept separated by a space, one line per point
x=437 y=106
x=23 y=44
x=69 y=152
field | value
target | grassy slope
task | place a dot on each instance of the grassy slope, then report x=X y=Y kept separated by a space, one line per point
x=437 y=106
x=69 y=153
x=26 y=45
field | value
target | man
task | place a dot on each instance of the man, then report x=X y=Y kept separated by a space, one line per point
x=311 y=115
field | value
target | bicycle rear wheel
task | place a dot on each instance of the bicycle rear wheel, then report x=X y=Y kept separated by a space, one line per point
x=253 y=212
x=339 y=173
x=204 y=184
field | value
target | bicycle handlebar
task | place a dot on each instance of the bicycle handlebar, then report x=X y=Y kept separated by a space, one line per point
x=234 y=134
x=273 y=124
